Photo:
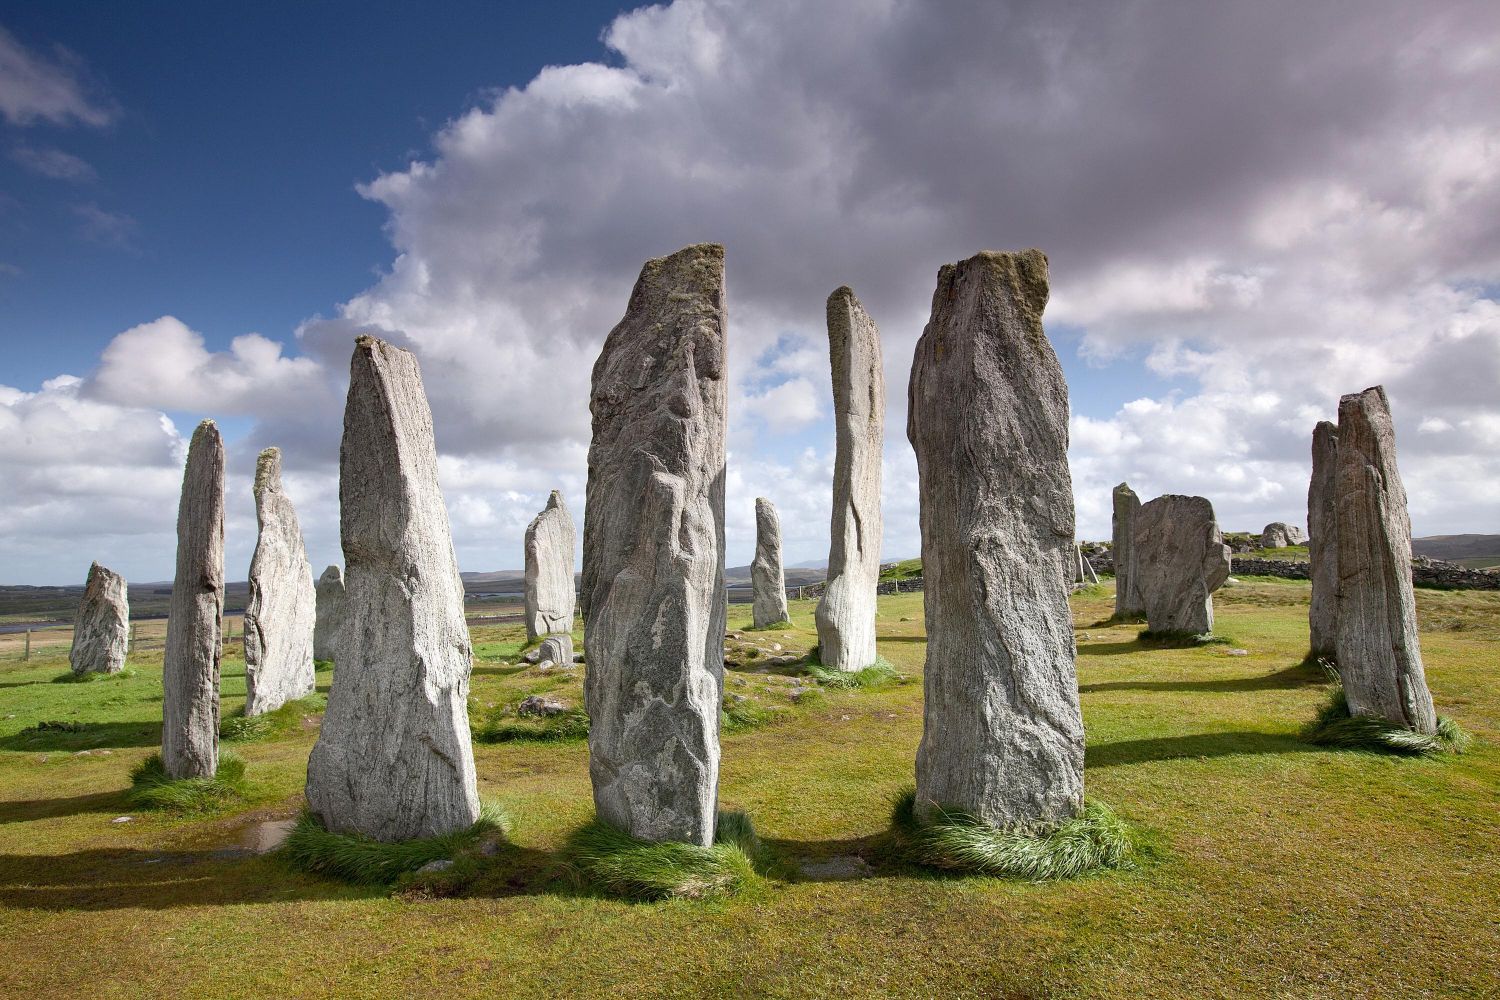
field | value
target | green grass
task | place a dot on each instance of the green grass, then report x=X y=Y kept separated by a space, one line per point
x=281 y=722
x=618 y=864
x=780 y=626
x=1183 y=639
x=363 y=861
x=906 y=569
x=89 y=677
x=741 y=716
x=503 y=727
x=877 y=674
x=151 y=788
x=1335 y=727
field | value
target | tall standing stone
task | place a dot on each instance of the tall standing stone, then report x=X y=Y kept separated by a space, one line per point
x=767 y=579
x=653 y=553
x=987 y=413
x=190 y=666
x=550 y=538
x=1379 y=658
x=393 y=760
x=1122 y=549
x=846 y=615
x=1323 y=543
x=1180 y=560
x=101 y=629
x=283 y=605
x=329 y=619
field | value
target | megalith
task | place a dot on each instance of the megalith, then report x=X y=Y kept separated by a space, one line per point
x=1279 y=534
x=653 y=553
x=550 y=538
x=1180 y=560
x=1323 y=543
x=1122 y=550
x=330 y=613
x=393 y=760
x=845 y=615
x=1378 y=656
x=1002 y=734
x=280 y=616
x=101 y=629
x=767 y=579
x=558 y=649
x=190 y=665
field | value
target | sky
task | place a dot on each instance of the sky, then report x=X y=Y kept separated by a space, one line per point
x=1248 y=209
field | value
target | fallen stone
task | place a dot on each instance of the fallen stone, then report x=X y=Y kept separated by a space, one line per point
x=1323 y=543
x=558 y=649
x=1127 y=596
x=123 y=819
x=540 y=707
x=1180 y=560
x=330 y=613
x=1279 y=535
x=440 y=865
x=549 y=570
x=278 y=624
x=767 y=579
x=101 y=629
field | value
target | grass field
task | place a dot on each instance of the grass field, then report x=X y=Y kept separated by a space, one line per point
x=1283 y=870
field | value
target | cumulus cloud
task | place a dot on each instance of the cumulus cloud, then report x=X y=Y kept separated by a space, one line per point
x=47 y=87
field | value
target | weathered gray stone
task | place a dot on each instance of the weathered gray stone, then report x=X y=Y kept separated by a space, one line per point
x=393 y=760
x=1122 y=550
x=1180 y=560
x=767 y=580
x=1279 y=534
x=558 y=649
x=540 y=706
x=549 y=570
x=283 y=605
x=101 y=629
x=1002 y=734
x=330 y=613
x=846 y=614
x=190 y=665
x=1322 y=545
x=1379 y=657
x=653 y=553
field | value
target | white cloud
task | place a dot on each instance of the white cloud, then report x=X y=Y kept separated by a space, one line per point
x=104 y=227
x=35 y=87
x=53 y=163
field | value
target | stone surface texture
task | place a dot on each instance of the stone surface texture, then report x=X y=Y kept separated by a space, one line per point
x=987 y=413
x=558 y=649
x=283 y=604
x=330 y=613
x=393 y=760
x=653 y=553
x=190 y=665
x=1323 y=543
x=1180 y=560
x=550 y=541
x=845 y=616
x=1378 y=655
x=101 y=629
x=1122 y=550
x=1279 y=534
x=767 y=580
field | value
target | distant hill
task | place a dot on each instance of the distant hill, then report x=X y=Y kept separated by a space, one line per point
x=1473 y=551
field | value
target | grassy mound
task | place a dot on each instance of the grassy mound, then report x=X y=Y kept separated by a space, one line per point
x=621 y=865
x=364 y=861
x=1098 y=840
x=501 y=727
x=877 y=674
x=1183 y=639
x=284 y=721
x=739 y=716
x=90 y=676
x=151 y=788
x=782 y=625
x=1335 y=727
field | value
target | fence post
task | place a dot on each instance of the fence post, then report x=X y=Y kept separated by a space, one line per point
x=26 y=658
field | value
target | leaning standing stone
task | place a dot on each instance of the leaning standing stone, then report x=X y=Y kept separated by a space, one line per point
x=283 y=605
x=1122 y=548
x=767 y=580
x=1002 y=734
x=1322 y=545
x=549 y=570
x=846 y=615
x=1379 y=658
x=101 y=629
x=330 y=613
x=190 y=666
x=393 y=760
x=653 y=554
x=1180 y=560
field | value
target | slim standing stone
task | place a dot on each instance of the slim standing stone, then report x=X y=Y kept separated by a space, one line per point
x=101 y=629
x=1180 y=560
x=846 y=615
x=393 y=760
x=190 y=666
x=1379 y=658
x=767 y=579
x=1323 y=543
x=549 y=570
x=278 y=625
x=329 y=619
x=1127 y=596
x=653 y=553
x=987 y=413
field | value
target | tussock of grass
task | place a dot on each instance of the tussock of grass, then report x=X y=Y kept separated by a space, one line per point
x=1335 y=727
x=1097 y=840
x=1151 y=638
x=90 y=676
x=284 y=721
x=877 y=674
x=782 y=625
x=564 y=727
x=364 y=861
x=621 y=865
x=737 y=717
x=151 y=788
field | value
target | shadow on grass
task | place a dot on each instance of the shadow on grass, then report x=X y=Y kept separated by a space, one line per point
x=752 y=667
x=1298 y=675
x=84 y=736
x=498 y=671
x=77 y=805
x=1199 y=746
x=1110 y=648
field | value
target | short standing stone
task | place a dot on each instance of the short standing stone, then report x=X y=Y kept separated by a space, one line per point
x=846 y=615
x=330 y=614
x=767 y=580
x=279 y=617
x=1180 y=560
x=653 y=553
x=558 y=649
x=549 y=570
x=1379 y=658
x=1002 y=734
x=1323 y=543
x=1279 y=535
x=393 y=760
x=101 y=629
x=1126 y=506
x=190 y=665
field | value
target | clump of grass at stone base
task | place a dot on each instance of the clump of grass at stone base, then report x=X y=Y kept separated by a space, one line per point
x=499 y=726
x=1183 y=639
x=1335 y=727
x=1095 y=841
x=283 y=721
x=878 y=674
x=90 y=676
x=365 y=861
x=614 y=862
x=782 y=625
x=152 y=788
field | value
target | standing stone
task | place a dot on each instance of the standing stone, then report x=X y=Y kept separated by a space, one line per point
x=1379 y=658
x=1279 y=534
x=767 y=580
x=329 y=620
x=1002 y=734
x=653 y=553
x=1322 y=545
x=557 y=648
x=190 y=666
x=1122 y=546
x=550 y=538
x=846 y=615
x=393 y=760
x=1180 y=560
x=101 y=629
x=278 y=625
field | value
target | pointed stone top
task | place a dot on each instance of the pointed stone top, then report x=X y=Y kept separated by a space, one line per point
x=206 y=427
x=332 y=573
x=268 y=471
x=1123 y=489
x=555 y=500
